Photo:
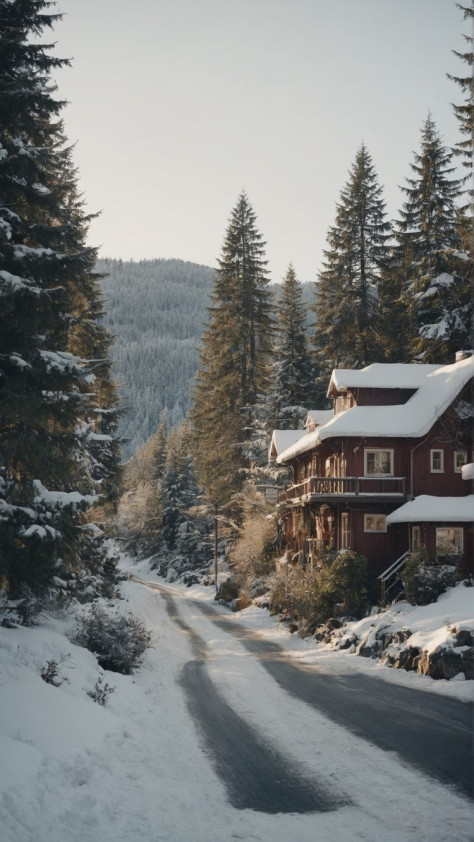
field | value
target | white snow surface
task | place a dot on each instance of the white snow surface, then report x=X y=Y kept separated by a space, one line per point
x=136 y=771
x=319 y=416
x=440 y=509
x=282 y=439
x=438 y=388
x=381 y=376
x=468 y=471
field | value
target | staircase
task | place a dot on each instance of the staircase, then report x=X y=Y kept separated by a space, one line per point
x=391 y=586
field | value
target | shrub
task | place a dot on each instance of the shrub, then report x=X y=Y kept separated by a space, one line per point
x=119 y=641
x=51 y=672
x=424 y=579
x=336 y=588
x=101 y=692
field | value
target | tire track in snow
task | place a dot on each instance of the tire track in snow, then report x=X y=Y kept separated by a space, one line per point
x=257 y=776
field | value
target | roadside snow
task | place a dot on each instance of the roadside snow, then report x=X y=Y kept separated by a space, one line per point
x=135 y=770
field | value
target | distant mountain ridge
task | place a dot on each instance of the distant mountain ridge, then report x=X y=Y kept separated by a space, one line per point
x=157 y=311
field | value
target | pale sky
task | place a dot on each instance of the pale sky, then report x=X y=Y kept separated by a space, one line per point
x=175 y=106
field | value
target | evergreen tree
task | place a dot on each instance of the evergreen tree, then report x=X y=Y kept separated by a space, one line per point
x=234 y=357
x=465 y=111
x=436 y=273
x=180 y=489
x=140 y=512
x=346 y=307
x=54 y=453
x=292 y=386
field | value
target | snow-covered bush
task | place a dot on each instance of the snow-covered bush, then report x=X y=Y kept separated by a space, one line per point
x=119 y=641
x=425 y=580
x=101 y=692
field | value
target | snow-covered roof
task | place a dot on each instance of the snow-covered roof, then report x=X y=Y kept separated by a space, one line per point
x=283 y=439
x=412 y=419
x=439 y=509
x=468 y=471
x=381 y=376
x=319 y=416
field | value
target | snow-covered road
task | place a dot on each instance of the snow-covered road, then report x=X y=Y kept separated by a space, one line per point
x=141 y=769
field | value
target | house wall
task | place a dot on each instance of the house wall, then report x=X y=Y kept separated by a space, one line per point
x=411 y=459
x=428 y=540
x=381 y=397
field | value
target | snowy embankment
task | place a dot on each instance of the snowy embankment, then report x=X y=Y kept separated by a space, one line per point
x=135 y=770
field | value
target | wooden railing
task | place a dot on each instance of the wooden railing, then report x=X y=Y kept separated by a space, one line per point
x=314 y=487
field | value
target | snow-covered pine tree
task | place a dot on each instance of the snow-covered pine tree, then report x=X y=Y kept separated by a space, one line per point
x=436 y=272
x=346 y=293
x=179 y=487
x=292 y=379
x=48 y=309
x=235 y=353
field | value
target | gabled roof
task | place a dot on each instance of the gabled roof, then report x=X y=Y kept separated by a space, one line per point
x=435 y=509
x=381 y=376
x=413 y=419
x=282 y=440
x=319 y=416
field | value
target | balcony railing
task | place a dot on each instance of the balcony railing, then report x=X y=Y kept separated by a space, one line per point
x=315 y=488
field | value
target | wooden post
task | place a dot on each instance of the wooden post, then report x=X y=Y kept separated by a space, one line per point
x=215 y=547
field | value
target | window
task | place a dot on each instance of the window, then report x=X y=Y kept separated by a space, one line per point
x=449 y=541
x=437 y=461
x=375 y=523
x=378 y=462
x=345 y=532
x=415 y=538
x=460 y=459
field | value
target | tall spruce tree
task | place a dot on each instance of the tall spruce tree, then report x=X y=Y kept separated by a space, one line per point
x=234 y=357
x=346 y=293
x=465 y=111
x=54 y=404
x=436 y=272
x=292 y=379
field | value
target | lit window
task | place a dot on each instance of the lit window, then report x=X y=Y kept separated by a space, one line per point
x=375 y=523
x=378 y=463
x=449 y=541
x=460 y=459
x=437 y=461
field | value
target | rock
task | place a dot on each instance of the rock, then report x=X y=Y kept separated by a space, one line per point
x=347 y=642
x=442 y=663
x=333 y=623
x=464 y=637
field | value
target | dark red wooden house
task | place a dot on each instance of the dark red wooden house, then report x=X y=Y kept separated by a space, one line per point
x=383 y=473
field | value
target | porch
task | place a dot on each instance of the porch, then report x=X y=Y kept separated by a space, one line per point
x=320 y=489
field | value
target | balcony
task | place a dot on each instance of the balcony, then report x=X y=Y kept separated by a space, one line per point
x=322 y=489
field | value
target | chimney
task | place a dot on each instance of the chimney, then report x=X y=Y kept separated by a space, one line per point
x=463 y=355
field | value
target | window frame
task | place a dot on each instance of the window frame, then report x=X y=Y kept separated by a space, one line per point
x=416 y=538
x=439 y=470
x=376 y=518
x=458 y=467
x=345 y=531
x=389 y=450
x=450 y=528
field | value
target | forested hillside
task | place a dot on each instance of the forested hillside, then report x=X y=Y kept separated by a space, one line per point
x=156 y=310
